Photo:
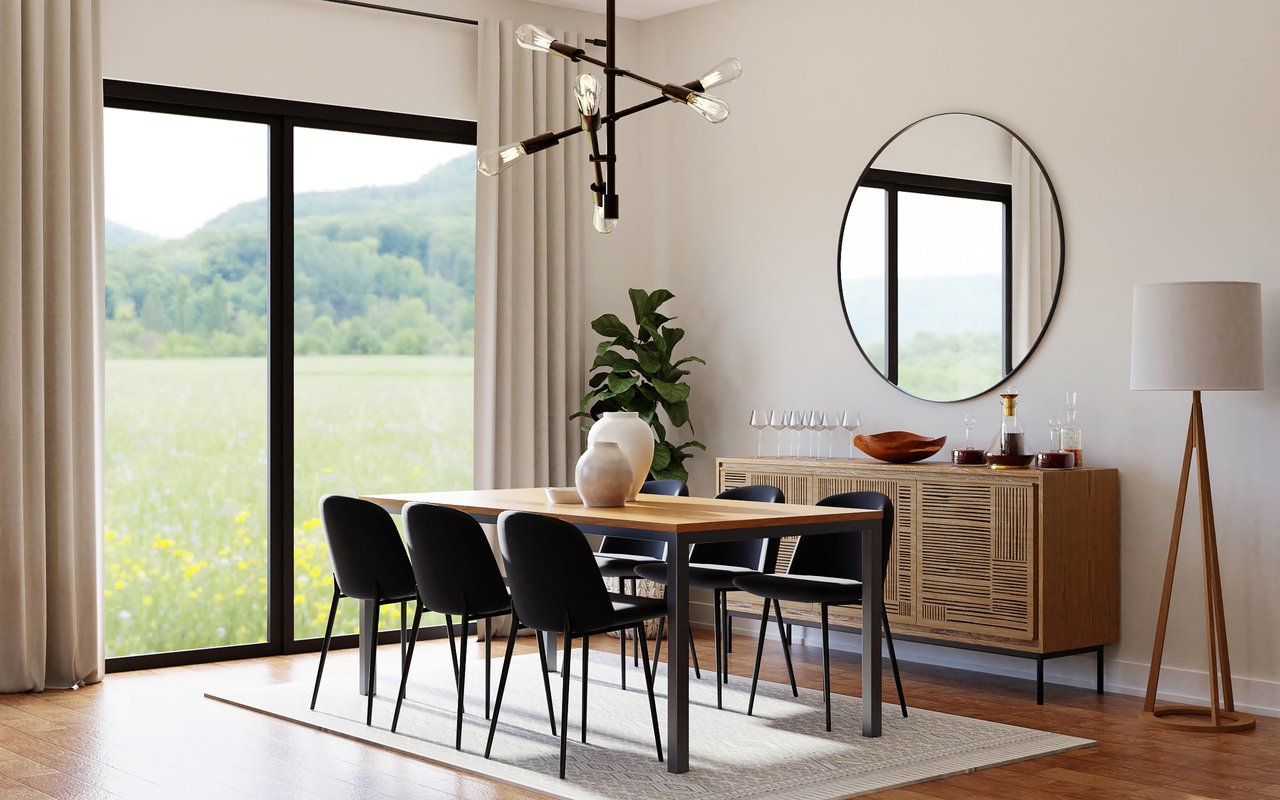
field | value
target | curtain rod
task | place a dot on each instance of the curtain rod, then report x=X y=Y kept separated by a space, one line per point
x=407 y=11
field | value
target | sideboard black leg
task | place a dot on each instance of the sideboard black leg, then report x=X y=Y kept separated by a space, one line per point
x=1099 y=669
x=1039 y=680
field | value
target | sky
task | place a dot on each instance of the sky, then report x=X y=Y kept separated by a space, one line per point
x=168 y=174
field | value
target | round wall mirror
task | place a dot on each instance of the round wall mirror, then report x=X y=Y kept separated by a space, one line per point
x=951 y=257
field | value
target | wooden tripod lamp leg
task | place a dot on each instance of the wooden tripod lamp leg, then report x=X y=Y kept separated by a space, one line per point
x=1217 y=717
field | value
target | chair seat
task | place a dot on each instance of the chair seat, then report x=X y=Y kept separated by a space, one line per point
x=629 y=610
x=701 y=576
x=403 y=594
x=803 y=588
x=623 y=565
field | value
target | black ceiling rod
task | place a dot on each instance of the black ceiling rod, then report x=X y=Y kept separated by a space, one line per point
x=406 y=11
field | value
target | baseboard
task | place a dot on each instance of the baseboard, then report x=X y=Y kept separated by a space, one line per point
x=1177 y=685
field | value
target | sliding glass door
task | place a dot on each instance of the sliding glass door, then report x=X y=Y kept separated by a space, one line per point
x=384 y=299
x=289 y=313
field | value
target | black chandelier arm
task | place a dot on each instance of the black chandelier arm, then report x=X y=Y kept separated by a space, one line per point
x=556 y=138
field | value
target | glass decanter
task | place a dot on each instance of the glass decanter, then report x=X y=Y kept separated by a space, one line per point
x=968 y=456
x=1008 y=450
x=1071 y=439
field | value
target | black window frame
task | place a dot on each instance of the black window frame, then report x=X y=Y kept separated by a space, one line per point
x=893 y=182
x=281 y=117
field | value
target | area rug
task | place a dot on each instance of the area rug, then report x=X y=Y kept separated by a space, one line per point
x=783 y=751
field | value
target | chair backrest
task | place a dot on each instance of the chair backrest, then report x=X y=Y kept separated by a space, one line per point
x=452 y=561
x=552 y=573
x=671 y=487
x=369 y=561
x=638 y=547
x=758 y=554
x=839 y=555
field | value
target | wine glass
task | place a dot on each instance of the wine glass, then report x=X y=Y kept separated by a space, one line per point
x=759 y=421
x=830 y=419
x=778 y=421
x=819 y=425
x=797 y=424
x=851 y=421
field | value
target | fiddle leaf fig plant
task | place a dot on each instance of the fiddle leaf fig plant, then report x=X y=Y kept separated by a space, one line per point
x=634 y=371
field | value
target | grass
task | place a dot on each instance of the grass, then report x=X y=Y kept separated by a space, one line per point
x=186 y=483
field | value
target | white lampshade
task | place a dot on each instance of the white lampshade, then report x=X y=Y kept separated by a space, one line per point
x=1200 y=335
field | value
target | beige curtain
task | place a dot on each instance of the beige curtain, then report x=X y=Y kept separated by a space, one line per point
x=51 y=284
x=1036 y=249
x=530 y=225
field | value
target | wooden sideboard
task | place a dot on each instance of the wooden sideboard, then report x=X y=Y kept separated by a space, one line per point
x=1021 y=562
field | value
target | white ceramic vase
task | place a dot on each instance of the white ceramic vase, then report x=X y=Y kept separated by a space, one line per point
x=635 y=438
x=603 y=476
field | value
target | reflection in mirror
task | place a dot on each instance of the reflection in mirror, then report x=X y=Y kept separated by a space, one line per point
x=950 y=257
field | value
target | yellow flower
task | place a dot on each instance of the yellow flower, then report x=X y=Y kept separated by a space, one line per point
x=146 y=601
x=192 y=595
x=106 y=592
x=162 y=544
x=311 y=524
x=219 y=597
x=241 y=565
x=299 y=599
x=239 y=591
x=118 y=585
x=242 y=517
x=111 y=536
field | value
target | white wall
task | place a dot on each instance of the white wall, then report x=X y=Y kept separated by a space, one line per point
x=1157 y=123
x=955 y=146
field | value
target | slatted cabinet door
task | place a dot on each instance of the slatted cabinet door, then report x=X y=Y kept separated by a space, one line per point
x=898 y=592
x=977 y=558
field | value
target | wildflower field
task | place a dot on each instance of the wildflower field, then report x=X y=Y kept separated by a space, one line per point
x=186 y=483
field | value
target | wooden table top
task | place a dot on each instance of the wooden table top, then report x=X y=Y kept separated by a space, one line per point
x=649 y=512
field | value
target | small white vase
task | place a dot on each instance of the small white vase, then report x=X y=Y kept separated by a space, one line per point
x=635 y=438
x=603 y=476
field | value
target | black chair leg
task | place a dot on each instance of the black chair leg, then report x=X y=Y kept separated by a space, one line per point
x=657 y=644
x=755 y=675
x=546 y=680
x=324 y=648
x=719 y=657
x=373 y=671
x=728 y=628
x=502 y=684
x=586 y=649
x=648 y=679
x=893 y=661
x=404 y=618
x=724 y=634
x=453 y=646
x=564 y=697
x=693 y=654
x=622 y=651
x=784 y=633
x=826 y=665
x=488 y=660
x=462 y=681
x=635 y=646
x=404 y=666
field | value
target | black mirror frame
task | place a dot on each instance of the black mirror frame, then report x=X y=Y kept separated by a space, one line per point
x=1062 y=256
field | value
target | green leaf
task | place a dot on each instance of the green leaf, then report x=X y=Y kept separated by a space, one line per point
x=639 y=300
x=598 y=379
x=609 y=325
x=672 y=392
x=661 y=457
x=678 y=412
x=619 y=383
x=691 y=443
x=655 y=299
x=672 y=337
x=615 y=361
x=687 y=359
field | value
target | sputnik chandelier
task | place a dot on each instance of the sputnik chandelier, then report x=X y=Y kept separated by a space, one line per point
x=587 y=91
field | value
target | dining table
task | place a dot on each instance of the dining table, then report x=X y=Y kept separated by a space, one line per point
x=680 y=523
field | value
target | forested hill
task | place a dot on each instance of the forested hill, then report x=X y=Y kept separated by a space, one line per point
x=379 y=269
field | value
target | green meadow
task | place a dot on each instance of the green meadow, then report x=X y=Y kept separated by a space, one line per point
x=186 y=462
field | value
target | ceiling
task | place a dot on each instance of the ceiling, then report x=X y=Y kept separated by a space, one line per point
x=631 y=9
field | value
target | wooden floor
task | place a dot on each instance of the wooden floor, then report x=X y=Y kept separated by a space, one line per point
x=151 y=734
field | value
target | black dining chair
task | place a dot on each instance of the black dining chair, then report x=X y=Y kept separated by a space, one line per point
x=369 y=564
x=557 y=587
x=827 y=569
x=618 y=557
x=457 y=575
x=714 y=566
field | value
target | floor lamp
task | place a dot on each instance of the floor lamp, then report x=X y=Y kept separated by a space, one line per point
x=1196 y=337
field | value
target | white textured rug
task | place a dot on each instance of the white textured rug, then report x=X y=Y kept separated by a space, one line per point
x=781 y=751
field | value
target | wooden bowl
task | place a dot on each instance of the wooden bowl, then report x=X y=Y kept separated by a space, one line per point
x=898 y=447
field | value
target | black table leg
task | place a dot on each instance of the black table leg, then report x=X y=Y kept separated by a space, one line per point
x=678 y=658
x=1039 y=680
x=872 y=597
